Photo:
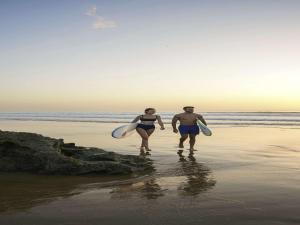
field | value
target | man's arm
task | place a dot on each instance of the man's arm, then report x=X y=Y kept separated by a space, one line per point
x=174 y=121
x=200 y=117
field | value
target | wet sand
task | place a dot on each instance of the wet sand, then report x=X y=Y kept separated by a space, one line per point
x=240 y=175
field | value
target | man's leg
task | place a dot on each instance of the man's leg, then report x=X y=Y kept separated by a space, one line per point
x=182 y=139
x=192 y=141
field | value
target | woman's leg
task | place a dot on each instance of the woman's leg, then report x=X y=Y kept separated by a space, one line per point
x=149 y=132
x=144 y=137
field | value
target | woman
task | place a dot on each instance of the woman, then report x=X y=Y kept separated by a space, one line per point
x=146 y=127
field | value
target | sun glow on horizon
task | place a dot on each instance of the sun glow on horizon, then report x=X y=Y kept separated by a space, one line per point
x=238 y=56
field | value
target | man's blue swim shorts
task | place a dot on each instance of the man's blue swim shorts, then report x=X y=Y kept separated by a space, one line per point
x=188 y=129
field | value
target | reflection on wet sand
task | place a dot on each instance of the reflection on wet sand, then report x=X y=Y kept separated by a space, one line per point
x=21 y=192
x=188 y=177
x=198 y=176
x=144 y=153
x=151 y=190
x=148 y=188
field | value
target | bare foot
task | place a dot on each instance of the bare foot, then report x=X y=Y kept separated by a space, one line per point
x=191 y=156
x=142 y=152
x=179 y=152
x=181 y=157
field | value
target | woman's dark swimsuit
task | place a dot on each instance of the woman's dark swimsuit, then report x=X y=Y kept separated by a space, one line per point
x=145 y=126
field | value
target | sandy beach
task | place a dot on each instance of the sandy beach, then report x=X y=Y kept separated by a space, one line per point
x=240 y=175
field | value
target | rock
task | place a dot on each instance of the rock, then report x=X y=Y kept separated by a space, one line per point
x=35 y=153
x=68 y=145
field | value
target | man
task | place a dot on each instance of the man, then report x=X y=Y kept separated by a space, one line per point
x=188 y=126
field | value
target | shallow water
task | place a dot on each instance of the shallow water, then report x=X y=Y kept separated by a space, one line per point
x=240 y=175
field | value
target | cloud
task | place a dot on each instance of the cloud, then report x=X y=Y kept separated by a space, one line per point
x=100 y=22
x=92 y=11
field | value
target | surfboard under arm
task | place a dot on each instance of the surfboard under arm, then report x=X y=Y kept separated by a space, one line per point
x=204 y=129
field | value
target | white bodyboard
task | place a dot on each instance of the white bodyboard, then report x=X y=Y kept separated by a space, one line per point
x=124 y=131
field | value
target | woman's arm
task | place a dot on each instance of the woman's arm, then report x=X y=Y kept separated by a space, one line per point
x=160 y=122
x=136 y=119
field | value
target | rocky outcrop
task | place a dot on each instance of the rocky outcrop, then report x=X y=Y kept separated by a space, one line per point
x=35 y=153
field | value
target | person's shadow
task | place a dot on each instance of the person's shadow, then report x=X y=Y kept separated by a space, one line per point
x=199 y=177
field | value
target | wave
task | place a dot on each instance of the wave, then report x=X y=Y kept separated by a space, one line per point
x=212 y=118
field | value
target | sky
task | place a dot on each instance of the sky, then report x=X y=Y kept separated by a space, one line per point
x=126 y=55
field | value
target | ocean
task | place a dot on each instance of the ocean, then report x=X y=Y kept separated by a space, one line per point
x=212 y=118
